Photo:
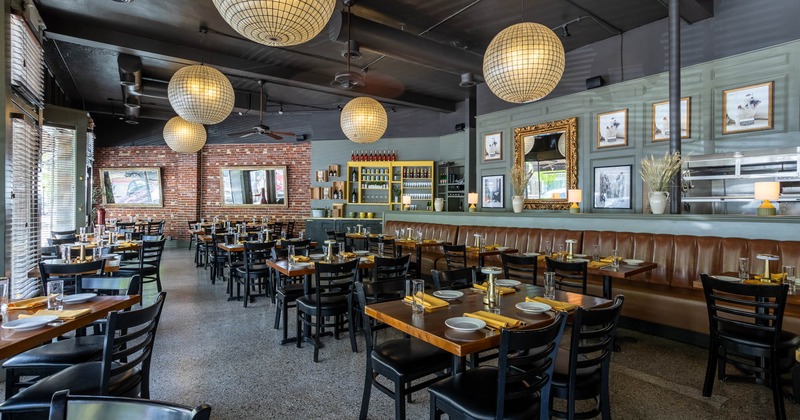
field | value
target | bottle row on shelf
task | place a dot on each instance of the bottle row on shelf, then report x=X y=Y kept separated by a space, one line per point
x=416 y=173
x=420 y=196
x=416 y=184
x=374 y=185
x=373 y=156
x=375 y=178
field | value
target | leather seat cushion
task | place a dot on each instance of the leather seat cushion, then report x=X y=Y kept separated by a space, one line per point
x=475 y=392
x=587 y=376
x=65 y=352
x=405 y=357
x=81 y=379
x=308 y=304
x=747 y=337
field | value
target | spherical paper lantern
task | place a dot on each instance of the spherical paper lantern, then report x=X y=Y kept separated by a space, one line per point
x=523 y=63
x=201 y=94
x=363 y=120
x=183 y=136
x=276 y=23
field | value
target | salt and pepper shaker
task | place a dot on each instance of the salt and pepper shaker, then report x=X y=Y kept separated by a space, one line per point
x=570 y=255
x=490 y=299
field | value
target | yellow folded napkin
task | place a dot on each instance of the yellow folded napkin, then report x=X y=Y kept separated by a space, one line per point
x=28 y=303
x=556 y=305
x=65 y=314
x=429 y=241
x=495 y=321
x=490 y=247
x=597 y=264
x=349 y=255
x=608 y=260
x=430 y=302
x=503 y=290
x=370 y=258
x=301 y=258
x=472 y=248
x=759 y=282
x=541 y=257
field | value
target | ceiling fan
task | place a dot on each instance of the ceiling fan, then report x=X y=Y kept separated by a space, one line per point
x=262 y=129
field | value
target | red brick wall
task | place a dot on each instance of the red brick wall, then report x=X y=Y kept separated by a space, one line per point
x=192 y=182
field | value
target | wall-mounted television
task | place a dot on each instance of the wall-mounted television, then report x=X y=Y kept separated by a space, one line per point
x=132 y=187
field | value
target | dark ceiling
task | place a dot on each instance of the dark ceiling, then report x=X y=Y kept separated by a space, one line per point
x=415 y=76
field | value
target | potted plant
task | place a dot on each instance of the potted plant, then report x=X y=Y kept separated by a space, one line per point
x=519 y=183
x=657 y=175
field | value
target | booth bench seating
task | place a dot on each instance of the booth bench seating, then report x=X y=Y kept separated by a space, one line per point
x=666 y=296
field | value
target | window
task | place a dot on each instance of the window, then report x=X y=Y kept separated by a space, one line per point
x=57 y=180
x=24 y=199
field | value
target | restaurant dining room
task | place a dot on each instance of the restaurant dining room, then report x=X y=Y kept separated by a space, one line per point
x=408 y=209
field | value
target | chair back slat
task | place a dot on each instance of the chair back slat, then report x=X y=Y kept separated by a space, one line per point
x=569 y=275
x=453 y=279
x=592 y=340
x=455 y=256
x=520 y=267
x=388 y=280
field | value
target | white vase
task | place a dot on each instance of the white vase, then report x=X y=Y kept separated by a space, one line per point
x=658 y=201
x=517 y=202
x=438 y=204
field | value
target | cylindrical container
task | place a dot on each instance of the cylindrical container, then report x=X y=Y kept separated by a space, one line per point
x=418 y=296
x=549 y=285
x=362 y=215
x=744 y=268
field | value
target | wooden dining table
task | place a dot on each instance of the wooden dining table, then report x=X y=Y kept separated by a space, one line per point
x=430 y=326
x=624 y=271
x=13 y=342
x=419 y=247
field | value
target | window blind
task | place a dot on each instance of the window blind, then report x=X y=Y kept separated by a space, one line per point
x=24 y=199
x=27 y=62
x=57 y=180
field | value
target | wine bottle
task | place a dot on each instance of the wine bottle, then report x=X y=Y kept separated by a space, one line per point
x=354 y=175
x=353 y=197
x=353 y=156
x=335 y=195
x=394 y=155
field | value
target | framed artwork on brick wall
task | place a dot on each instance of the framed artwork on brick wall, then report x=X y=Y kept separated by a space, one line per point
x=132 y=187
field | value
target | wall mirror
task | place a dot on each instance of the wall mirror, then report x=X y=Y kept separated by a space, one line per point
x=254 y=186
x=550 y=151
x=131 y=187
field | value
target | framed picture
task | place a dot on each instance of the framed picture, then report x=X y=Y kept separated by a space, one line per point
x=492 y=192
x=747 y=108
x=612 y=187
x=661 y=120
x=493 y=146
x=612 y=129
x=131 y=187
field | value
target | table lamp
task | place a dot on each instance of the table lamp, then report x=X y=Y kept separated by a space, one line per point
x=406 y=202
x=767 y=191
x=574 y=197
x=472 y=200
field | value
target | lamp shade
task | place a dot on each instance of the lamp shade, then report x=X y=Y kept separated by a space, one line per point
x=276 y=23
x=767 y=190
x=523 y=63
x=201 y=94
x=574 y=196
x=363 y=120
x=472 y=198
x=183 y=136
x=406 y=200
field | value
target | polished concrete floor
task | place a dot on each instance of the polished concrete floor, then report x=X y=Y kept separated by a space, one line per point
x=209 y=350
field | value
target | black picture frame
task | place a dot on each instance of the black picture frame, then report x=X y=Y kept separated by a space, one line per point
x=612 y=187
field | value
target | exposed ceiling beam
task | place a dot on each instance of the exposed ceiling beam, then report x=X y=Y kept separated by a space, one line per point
x=181 y=54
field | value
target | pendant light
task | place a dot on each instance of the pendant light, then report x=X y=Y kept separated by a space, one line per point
x=523 y=63
x=183 y=136
x=276 y=23
x=201 y=94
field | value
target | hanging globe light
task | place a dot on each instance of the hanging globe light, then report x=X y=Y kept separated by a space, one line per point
x=183 y=136
x=276 y=23
x=523 y=63
x=201 y=94
x=363 y=120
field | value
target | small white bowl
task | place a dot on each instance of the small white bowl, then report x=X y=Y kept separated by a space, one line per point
x=632 y=262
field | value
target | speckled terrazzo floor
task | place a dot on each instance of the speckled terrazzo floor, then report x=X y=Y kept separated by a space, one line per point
x=213 y=351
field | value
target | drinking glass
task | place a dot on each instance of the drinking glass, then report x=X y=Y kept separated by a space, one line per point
x=366 y=231
x=236 y=238
x=614 y=259
x=4 y=299
x=290 y=253
x=788 y=271
x=744 y=268
x=261 y=237
x=348 y=230
x=548 y=246
x=549 y=285
x=128 y=236
x=380 y=248
x=55 y=295
x=419 y=236
x=560 y=252
x=397 y=233
x=596 y=253
x=66 y=251
x=418 y=295
x=301 y=234
x=341 y=249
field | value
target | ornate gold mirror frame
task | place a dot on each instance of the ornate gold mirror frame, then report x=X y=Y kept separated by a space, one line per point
x=569 y=128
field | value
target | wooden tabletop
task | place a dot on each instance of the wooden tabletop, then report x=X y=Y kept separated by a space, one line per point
x=15 y=342
x=240 y=247
x=416 y=244
x=623 y=271
x=107 y=268
x=284 y=268
x=430 y=327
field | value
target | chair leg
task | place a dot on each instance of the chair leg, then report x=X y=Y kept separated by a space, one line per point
x=796 y=384
x=350 y=329
x=721 y=363
x=367 y=389
x=711 y=366
x=246 y=289
x=777 y=388
x=399 y=400
x=317 y=332
x=605 y=402
x=285 y=315
x=435 y=413
x=278 y=313
x=298 y=329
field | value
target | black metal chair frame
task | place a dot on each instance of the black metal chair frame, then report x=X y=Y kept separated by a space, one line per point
x=254 y=269
x=287 y=290
x=148 y=263
x=389 y=248
x=520 y=267
x=65 y=406
x=455 y=256
x=70 y=273
x=571 y=275
x=460 y=278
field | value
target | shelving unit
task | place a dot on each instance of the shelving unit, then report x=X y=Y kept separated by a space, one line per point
x=451 y=186
x=385 y=183
x=328 y=184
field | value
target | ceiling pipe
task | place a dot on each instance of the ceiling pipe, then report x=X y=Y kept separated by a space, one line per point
x=404 y=46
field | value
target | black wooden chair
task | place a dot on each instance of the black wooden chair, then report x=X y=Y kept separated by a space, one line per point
x=216 y=257
x=400 y=361
x=455 y=256
x=389 y=249
x=287 y=291
x=516 y=389
x=388 y=279
x=148 y=263
x=63 y=234
x=255 y=273
x=332 y=297
x=582 y=371
x=569 y=275
x=192 y=237
x=745 y=322
x=64 y=406
x=290 y=229
x=453 y=279
x=123 y=370
x=520 y=267
x=70 y=273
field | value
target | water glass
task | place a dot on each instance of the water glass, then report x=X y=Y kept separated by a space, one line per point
x=789 y=273
x=341 y=248
x=548 y=246
x=301 y=235
x=4 y=299
x=418 y=295
x=397 y=233
x=261 y=237
x=559 y=252
x=290 y=253
x=596 y=253
x=614 y=259
x=549 y=285
x=744 y=268
x=348 y=230
x=128 y=236
x=419 y=236
x=380 y=248
x=55 y=295
x=66 y=251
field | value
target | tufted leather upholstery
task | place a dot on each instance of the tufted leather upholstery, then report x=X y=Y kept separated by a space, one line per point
x=665 y=295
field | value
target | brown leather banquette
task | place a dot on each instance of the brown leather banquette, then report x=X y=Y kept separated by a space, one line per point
x=666 y=295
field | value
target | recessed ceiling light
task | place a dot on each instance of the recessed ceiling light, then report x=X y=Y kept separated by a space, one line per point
x=124 y=1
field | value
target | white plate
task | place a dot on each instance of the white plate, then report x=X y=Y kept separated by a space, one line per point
x=361 y=252
x=503 y=248
x=728 y=278
x=579 y=260
x=30 y=322
x=579 y=255
x=316 y=256
x=530 y=254
x=533 y=307
x=301 y=265
x=78 y=298
x=463 y=323
x=448 y=294
x=632 y=262
x=507 y=282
